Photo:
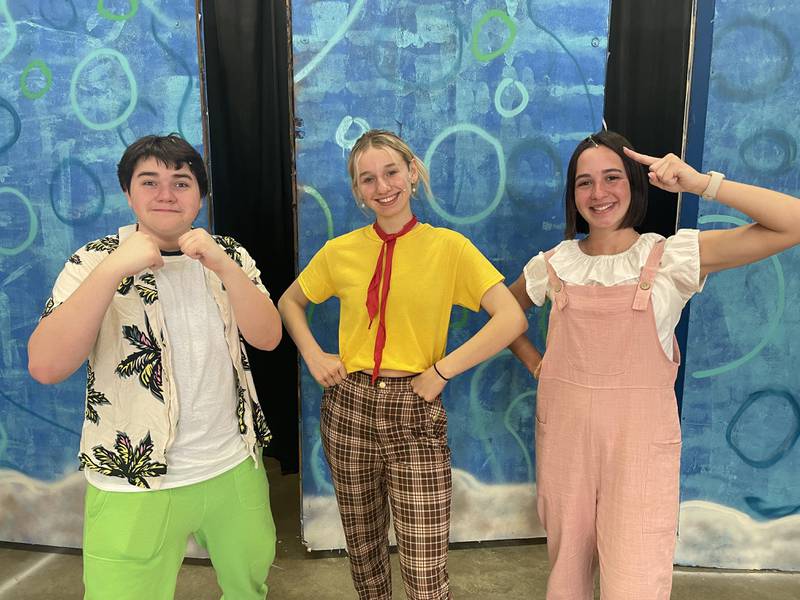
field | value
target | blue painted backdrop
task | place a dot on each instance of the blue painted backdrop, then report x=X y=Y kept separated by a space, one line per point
x=78 y=82
x=493 y=96
x=741 y=408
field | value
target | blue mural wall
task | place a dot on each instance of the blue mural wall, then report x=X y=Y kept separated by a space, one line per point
x=78 y=82
x=493 y=96
x=741 y=408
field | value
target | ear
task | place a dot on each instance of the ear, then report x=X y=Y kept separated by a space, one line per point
x=413 y=171
x=128 y=198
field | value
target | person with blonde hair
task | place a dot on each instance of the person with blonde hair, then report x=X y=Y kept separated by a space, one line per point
x=384 y=429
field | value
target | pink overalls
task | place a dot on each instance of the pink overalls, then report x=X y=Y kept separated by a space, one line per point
x=607 y=442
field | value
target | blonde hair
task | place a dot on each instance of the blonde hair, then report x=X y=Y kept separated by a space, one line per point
x=381 y=138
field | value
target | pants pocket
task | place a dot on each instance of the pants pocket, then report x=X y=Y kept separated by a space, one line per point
x=252 y=488
x=662 y=487
x=125 y=525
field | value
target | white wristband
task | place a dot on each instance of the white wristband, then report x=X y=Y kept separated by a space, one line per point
x=713 y=185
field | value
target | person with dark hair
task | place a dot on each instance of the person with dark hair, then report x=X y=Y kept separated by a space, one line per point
x=608 y=437
x=384 y=429
x=172 y=433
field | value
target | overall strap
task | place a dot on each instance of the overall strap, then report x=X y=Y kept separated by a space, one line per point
x=647 y=276
x=556 y=285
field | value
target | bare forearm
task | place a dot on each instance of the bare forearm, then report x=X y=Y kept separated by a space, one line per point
x=296 y=323
x=496 y=334
x=526 y=352
x=773 y=210
x=256 y=315
x=63 y=340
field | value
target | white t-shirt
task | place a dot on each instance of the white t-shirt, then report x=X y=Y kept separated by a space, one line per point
x=678 y=277
x=207 y=440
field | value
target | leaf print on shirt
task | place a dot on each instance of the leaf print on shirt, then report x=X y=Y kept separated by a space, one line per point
x=130 y=463
x=231 y=247
x=245 y=361
x=263 y=434
x=146 y=362
x=240 y=406
x=125 y=285
x=93 y=398
x=148 y=293
x=49 y=307
x=106 y=244
x=75 y=259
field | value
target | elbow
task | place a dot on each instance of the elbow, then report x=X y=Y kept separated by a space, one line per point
x=43 y=373
x=520 y=323
x=270 y=339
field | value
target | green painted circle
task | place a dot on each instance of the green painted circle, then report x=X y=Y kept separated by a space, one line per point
x=33 y=226
x=73 y=89
x=512 y=34
x=48 y=79
x=501 y=163
x=106 y=14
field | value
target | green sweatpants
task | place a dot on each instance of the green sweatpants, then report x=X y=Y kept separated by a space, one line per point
x=134 y=542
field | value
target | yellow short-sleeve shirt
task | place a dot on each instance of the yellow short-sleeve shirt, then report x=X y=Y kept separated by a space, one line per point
x=433 y=269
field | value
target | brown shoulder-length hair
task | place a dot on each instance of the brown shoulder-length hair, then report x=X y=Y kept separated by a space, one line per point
x=636 y=174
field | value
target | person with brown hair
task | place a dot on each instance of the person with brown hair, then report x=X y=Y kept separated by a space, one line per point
x=384 y=429
x=608 y=437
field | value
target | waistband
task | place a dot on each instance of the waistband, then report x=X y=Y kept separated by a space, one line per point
x=365 y=379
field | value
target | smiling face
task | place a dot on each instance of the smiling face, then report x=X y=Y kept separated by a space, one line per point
x=383 y=181
x=602 y=189
x=165 y=200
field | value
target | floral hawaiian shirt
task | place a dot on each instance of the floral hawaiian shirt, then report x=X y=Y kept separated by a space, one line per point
x=131 y=399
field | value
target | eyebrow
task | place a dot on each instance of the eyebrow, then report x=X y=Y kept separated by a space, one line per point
x=390 y=164
x=154 y=174
x=605 y=171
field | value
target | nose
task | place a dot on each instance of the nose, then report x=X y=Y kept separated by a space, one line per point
x=597 y=189
x=165 y=194
x=383 y=184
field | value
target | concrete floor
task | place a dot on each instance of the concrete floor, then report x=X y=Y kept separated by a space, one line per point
x=510 y=572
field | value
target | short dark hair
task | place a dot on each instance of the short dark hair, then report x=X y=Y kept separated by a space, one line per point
x=171 y=150
x=635 y=172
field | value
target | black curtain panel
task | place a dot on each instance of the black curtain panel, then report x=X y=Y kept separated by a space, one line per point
x=645 y=96
x=247 y=72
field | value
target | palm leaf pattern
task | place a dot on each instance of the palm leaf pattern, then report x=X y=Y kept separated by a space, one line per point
x=93 y=398
x=106 y=244
x=49 y=307
x=125 y=285
x=231 y=247
x=146 y=361
x=75 y=259
x=127 y=462
x=240 y=406
x=243 y=352
x=263 y=434
x=148 y=293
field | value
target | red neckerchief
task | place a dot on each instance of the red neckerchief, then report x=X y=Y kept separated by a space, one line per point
x=389 y=240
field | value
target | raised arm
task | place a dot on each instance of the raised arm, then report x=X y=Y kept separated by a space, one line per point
x=63 y=340
x=326 y=368
x=522 y=347
x=506 y=322
x=776 y=215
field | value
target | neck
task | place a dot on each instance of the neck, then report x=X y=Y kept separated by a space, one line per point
x=393 y=224
x=164 y=243
x=608 y=242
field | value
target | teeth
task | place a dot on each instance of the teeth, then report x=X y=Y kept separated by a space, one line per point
x=387 y=200
x=602 y=207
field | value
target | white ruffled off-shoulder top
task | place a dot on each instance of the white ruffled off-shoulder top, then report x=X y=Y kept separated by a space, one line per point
x=678 y=278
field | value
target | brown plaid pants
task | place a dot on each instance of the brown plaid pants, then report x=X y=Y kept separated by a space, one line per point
x=386 y=446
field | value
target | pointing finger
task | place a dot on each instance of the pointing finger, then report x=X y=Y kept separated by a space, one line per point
x=644 y=159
